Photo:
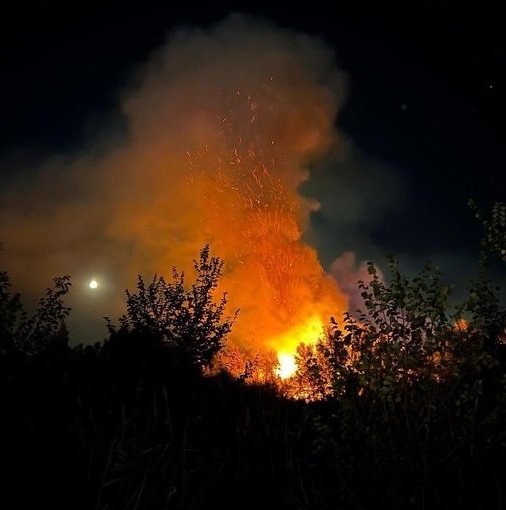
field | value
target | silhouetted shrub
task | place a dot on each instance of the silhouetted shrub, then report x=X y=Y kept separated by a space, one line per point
x=187 y=321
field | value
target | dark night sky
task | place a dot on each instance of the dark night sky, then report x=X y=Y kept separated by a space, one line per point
x=425 y=100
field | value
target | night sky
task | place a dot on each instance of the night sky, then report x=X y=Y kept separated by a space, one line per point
x=424 y=110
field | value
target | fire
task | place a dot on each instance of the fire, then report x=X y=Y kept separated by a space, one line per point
x=461 y=324
x=287 y=365
x=286 y=344
x=255 y=217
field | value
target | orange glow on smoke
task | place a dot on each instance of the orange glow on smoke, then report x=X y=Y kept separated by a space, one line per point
x=250 y=209
x=223 y=127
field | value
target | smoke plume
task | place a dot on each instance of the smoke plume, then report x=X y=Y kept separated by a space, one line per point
x=223 y=127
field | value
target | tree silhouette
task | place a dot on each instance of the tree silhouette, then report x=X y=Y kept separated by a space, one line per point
x=188 y=321
x=33 y=334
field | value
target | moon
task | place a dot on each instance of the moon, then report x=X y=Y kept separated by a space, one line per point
x=93 y=284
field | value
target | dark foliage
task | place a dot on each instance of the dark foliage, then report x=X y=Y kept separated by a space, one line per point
x=35 y=334
x=188 y=322
x=405 y=405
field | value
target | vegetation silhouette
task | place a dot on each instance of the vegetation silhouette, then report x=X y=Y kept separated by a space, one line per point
x=400 y=405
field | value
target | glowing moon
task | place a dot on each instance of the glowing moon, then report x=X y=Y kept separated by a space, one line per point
x=93 y=284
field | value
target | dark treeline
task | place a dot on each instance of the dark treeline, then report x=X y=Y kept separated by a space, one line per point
x=402 y=406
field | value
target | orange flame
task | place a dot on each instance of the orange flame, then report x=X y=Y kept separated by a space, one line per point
x=255 y=218
x=286 y=344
